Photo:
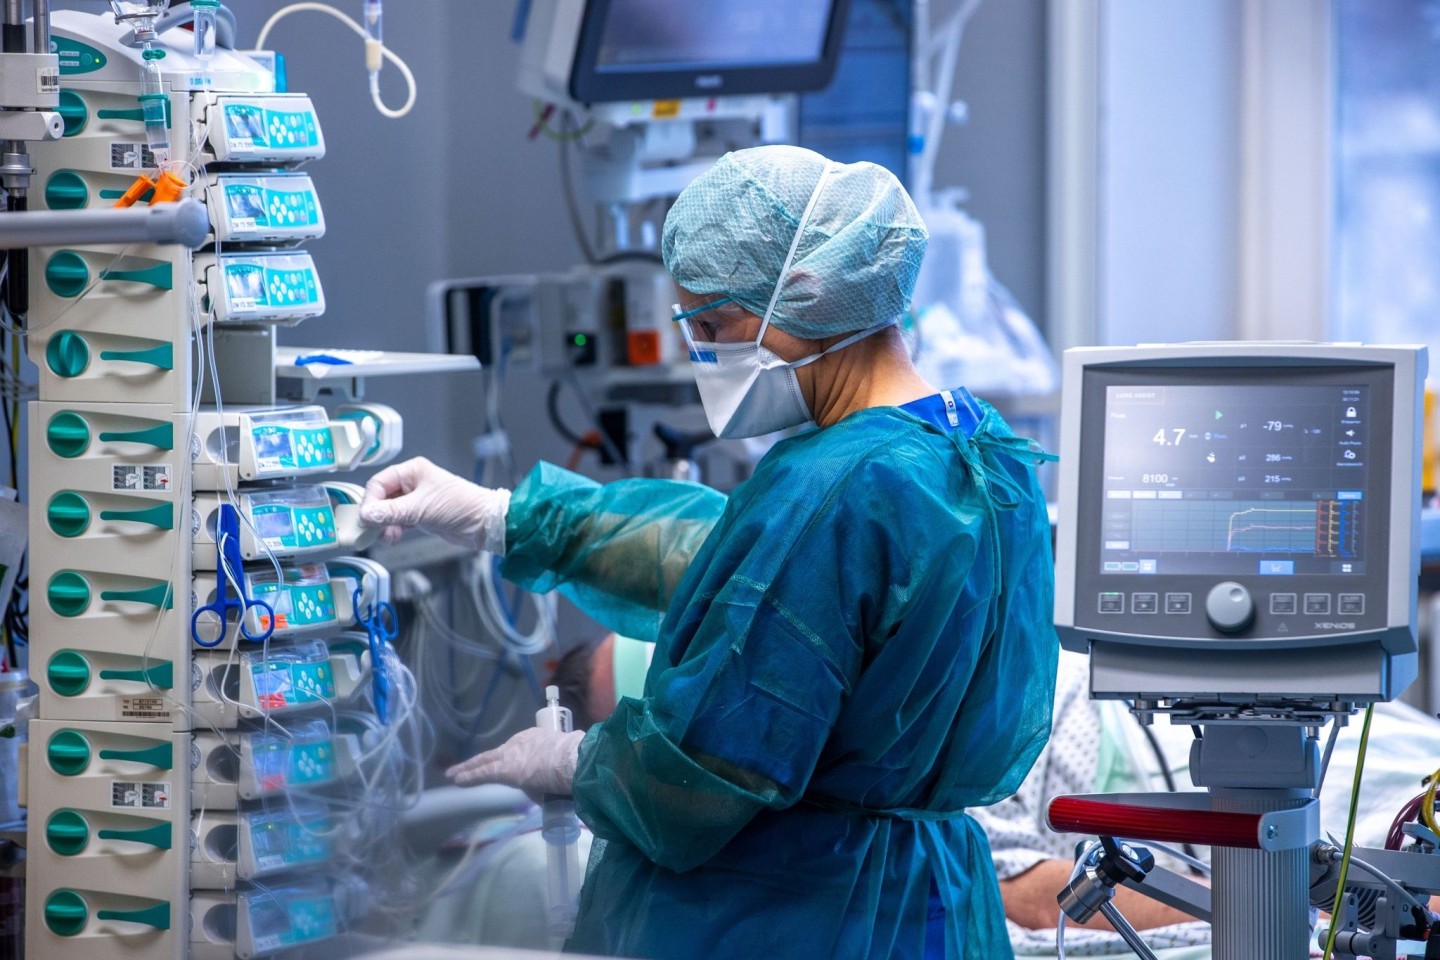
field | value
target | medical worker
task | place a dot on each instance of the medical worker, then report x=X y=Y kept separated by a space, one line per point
x=850 y=650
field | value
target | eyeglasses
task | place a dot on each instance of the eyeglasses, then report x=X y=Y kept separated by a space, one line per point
x=705 y=331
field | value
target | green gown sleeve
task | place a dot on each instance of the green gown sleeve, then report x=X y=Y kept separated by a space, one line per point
x=616 y=551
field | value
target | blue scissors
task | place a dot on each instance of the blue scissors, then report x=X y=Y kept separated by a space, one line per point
x=382 y=624
x=228 y=558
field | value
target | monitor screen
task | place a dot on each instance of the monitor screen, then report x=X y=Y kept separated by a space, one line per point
x=1235 y=479
x=1273 y=479
x=661 y=49
x=1238 y=524
x=663 y=33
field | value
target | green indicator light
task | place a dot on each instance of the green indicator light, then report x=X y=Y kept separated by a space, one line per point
x=581 y=339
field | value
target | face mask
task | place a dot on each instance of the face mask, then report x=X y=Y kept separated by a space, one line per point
x=746 y=389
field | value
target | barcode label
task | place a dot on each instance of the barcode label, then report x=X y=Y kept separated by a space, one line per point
x=47 y=80
x=143 y=708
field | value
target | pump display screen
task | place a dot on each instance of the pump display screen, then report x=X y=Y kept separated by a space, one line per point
x=274 y=524
x=1236 y=479
x=654 y=33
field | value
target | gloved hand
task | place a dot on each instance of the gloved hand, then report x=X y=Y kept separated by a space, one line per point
x=417 y=493
x=535 y=760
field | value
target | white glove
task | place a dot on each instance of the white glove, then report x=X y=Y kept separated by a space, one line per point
x=417 y=493
x=535 y=760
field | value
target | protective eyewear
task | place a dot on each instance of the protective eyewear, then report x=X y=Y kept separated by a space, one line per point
x=704 y=331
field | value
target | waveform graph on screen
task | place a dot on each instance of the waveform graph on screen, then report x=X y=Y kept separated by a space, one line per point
x=1272 y=528
x=1338 y=529
x=1246 y=526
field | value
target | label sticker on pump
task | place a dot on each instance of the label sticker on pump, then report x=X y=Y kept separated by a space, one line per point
x=277 y=129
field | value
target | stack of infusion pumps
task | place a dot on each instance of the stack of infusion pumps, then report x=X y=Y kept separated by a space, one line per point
x=184 y=775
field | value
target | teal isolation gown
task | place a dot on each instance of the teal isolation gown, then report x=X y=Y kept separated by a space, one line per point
x=852 y=649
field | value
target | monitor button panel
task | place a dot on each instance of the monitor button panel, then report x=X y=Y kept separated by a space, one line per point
x=1293 y=612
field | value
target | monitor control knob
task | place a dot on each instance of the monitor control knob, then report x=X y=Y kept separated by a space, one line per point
x=1229 y=607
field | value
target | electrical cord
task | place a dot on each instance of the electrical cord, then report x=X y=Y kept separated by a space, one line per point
x=1346 y=857
x=1169 y=779
x=567 y=186
x=619 y=459
x=552 y=408
x=1395 y=836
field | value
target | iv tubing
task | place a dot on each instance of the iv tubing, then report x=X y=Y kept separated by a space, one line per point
x=374 y=82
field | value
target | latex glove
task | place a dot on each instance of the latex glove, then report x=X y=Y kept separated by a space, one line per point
x=417 y=493
x=535 y=760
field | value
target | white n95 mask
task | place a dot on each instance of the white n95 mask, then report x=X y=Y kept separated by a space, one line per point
x=746 y=389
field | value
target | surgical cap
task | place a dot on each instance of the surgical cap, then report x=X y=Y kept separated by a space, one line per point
x=731 y=228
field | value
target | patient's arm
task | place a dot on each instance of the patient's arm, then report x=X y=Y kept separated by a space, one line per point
x=1030 y=901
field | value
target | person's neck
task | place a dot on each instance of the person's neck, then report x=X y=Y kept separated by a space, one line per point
x=874 y=372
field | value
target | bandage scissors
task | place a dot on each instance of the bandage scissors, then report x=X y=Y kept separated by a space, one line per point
x=381 y=625
x=230 y=564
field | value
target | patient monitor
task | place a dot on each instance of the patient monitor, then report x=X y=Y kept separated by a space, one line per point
x=1238 y=549
x=1239 y=522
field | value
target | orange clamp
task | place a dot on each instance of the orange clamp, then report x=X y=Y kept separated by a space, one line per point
x=168 y=188
x=136 y=192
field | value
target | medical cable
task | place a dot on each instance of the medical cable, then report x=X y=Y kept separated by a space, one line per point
x=1427 y=802
x=1350 y=833
x=488 y=605
x=621 y=461
x=375 y=50
x=1325 y=758
x=1395 y=836
x=1196 y=865
x=552 y=408
x=449 y=683
x=1396 y=890
x=1191 y=856
x=567 y=186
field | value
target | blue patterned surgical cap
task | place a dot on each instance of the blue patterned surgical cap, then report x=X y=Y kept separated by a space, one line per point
x=730 y=230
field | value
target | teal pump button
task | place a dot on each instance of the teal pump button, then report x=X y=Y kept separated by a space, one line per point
x=66 y=913
x=67 y=354
x=67 y=274
x=68 y=514
x=68 y=435
x=67 y=832
x=73 y=112
x=68 y=753
x=66 y=189
x=68 y=593
x=68 y=673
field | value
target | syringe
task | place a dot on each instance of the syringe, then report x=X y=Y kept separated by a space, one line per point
x=561 y=829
